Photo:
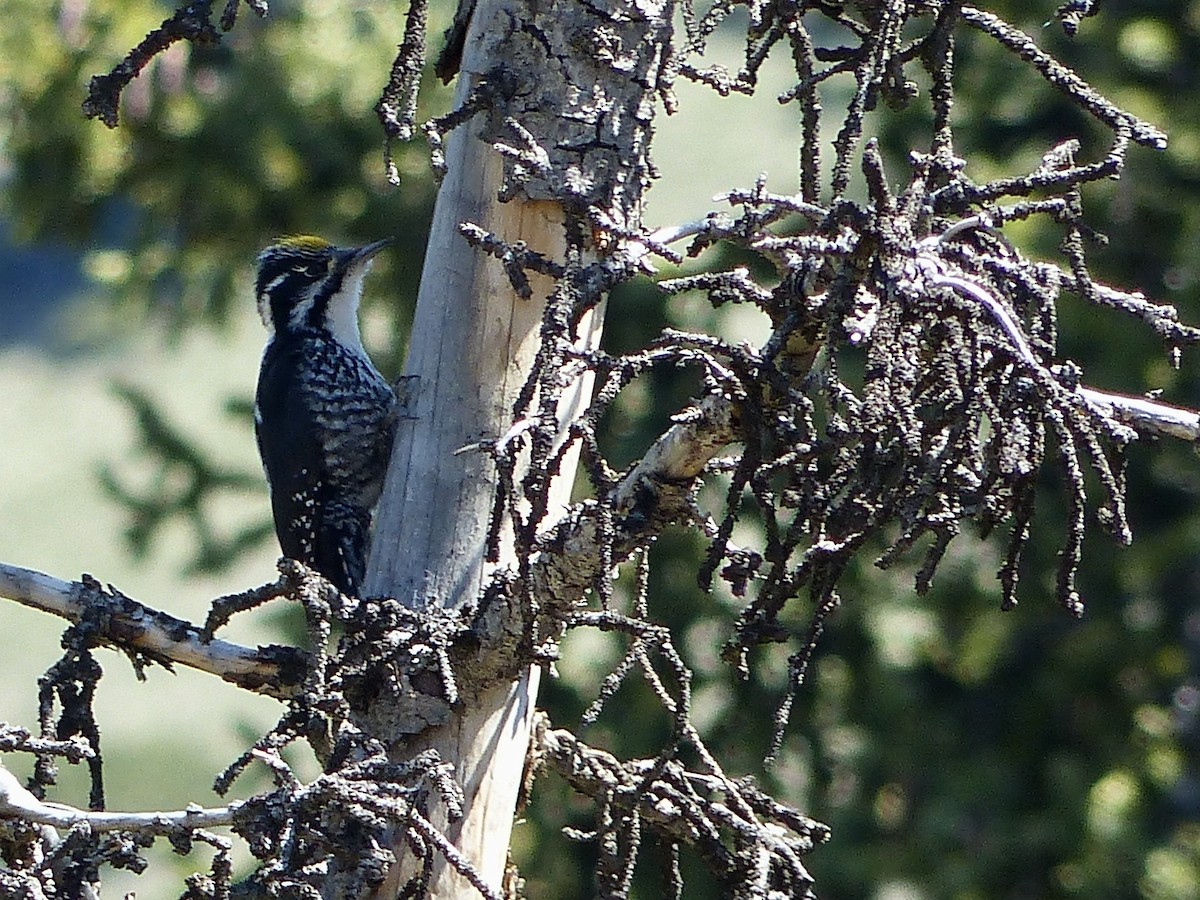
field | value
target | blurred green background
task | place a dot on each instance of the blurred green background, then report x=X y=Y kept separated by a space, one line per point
x=957 y=751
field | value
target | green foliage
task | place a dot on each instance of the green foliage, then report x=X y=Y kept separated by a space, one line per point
x=219 y=148
x=184 y=485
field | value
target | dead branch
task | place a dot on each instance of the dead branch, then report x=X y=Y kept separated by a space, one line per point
x=131 y=626
x=15 y=801
x=191 y=22
x=733 y=827
x=1146 y=416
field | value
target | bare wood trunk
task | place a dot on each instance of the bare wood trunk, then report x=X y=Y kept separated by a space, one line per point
x=472 y=348
x=581 y=79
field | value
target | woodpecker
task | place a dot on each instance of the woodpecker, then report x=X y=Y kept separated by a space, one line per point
x=323 y=415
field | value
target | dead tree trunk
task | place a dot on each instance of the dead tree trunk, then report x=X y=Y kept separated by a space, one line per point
x=579 y=85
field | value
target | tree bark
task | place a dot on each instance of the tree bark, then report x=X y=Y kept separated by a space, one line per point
x=472 y=347
x=580 y=81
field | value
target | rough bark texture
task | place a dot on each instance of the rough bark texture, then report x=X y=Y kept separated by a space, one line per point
x=579 y=83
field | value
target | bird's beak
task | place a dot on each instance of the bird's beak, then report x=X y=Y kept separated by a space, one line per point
x=362 y=254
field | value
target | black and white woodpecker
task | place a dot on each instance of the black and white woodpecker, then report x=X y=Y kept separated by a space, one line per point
x=323 y=415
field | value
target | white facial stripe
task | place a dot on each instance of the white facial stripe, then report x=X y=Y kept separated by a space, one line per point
x=264 y=303
x=299 y=314
x=341 y=310
x=264 y=313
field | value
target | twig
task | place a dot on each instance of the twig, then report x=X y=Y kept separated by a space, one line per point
x=16 y=801
x=190 y=22
x=457 y=860
x=1146 y=416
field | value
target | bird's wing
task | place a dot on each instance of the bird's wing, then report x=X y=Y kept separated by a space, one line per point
x=307 y=520
x=288 y=446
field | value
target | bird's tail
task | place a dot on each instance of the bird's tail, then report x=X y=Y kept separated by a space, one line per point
x=341 y=553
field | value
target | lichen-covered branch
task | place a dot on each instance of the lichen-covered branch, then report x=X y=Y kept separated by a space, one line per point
x=160 y=637
x=191 y=22
x=748 y=842
x=1145 y=416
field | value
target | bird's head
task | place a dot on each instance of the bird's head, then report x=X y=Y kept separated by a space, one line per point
x=306 y=283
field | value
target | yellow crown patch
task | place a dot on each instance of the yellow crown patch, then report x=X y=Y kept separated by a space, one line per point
x=303 y=242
